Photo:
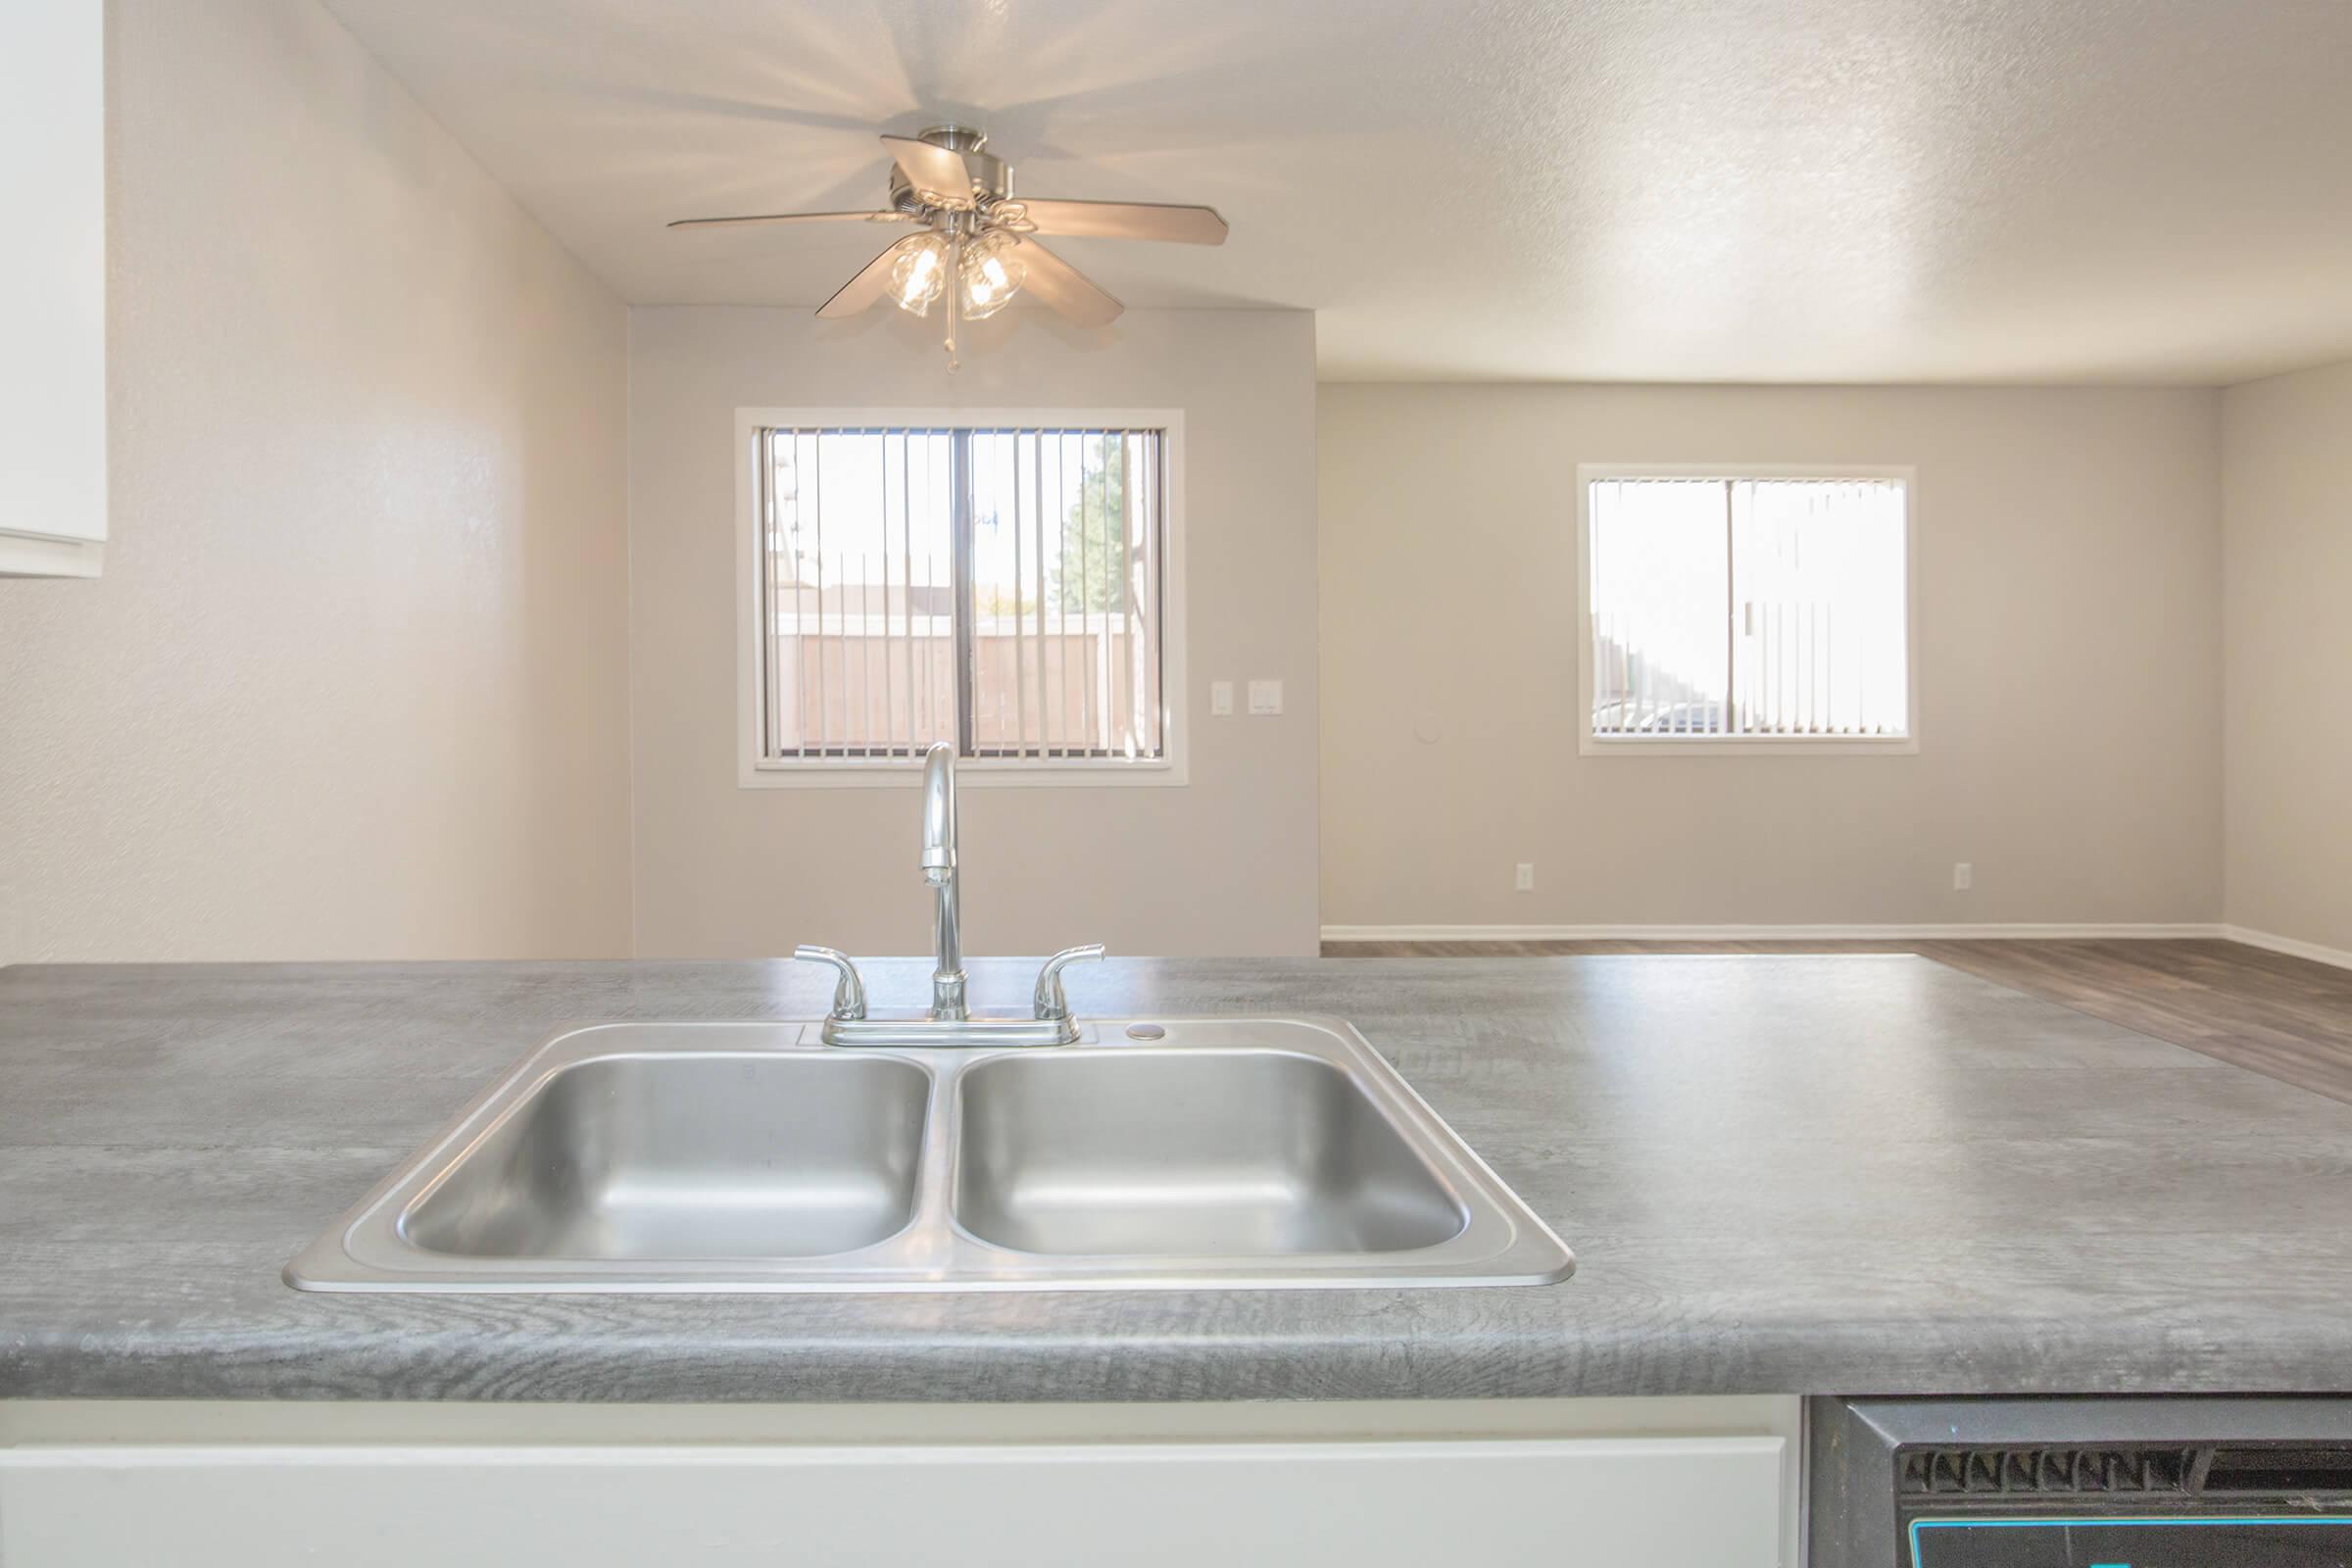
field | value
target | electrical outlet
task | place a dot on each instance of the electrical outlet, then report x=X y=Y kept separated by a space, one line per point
x=1964 y=876
x=1220 y=699
x=1524 y=879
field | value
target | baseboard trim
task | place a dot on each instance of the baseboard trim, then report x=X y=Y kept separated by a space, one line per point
x=2293 y=947
x=1799 y=933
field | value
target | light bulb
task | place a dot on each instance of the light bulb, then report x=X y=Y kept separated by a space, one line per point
x=918 y=276
x=992 y=275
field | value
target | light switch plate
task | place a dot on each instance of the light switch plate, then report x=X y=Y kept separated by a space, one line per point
x=1266 y=697
x=1220 y=699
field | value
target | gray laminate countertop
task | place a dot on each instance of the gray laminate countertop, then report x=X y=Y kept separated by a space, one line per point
x=1854 y=1174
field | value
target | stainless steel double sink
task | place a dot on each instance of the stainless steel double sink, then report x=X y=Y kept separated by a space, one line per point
x=748 y=1156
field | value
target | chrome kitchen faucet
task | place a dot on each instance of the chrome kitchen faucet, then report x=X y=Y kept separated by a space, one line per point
x=949 y=1021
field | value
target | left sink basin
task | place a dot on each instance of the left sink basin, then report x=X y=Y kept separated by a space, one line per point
x=724 y=1155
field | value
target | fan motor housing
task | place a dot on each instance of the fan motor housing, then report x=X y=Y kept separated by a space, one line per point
x=991 y=177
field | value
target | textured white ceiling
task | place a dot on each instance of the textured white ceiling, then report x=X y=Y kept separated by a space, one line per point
x=1759 y=190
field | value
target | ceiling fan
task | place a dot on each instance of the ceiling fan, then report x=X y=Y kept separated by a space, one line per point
x=978 y=243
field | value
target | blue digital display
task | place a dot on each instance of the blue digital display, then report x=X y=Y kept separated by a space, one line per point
x=2192 y=1542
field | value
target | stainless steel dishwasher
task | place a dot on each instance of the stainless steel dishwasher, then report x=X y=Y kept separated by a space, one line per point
x=2109 y=1483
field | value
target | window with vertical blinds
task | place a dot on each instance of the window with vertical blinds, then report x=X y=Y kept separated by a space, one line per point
x=1740 y=607
x=1000 y=589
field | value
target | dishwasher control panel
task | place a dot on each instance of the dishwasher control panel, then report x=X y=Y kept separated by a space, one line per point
x=2121 y=1483
x=2219 y=1540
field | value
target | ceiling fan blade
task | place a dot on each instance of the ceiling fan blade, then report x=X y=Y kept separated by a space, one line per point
x=932 y=171
x=789 y=218
x=867 y=286
x=1058 y=283
x=1186 y=226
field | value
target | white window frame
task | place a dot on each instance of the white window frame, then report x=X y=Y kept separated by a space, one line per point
x=755 y=772
x=1588 y=743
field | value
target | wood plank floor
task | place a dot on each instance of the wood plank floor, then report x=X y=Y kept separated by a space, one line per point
x=2287 y=1017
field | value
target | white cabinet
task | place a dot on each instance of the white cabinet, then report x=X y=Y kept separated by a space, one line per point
x=1706 y=1501
x=52 y=288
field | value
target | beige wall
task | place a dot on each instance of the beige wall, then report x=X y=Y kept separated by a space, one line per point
x=1224 y=865
x=357 y=681
x=2286 y=447
x=2070 y=637
x=353 y=683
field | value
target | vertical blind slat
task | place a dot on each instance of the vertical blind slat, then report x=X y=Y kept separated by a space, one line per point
x=814 y=500
x=1128 y=696
x=890 y=682
x=1037 y=603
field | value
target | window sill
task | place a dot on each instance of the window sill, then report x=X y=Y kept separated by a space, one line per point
x=1590 y=745
x=971 y=773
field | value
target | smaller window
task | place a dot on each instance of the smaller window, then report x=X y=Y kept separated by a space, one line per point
x=1745 y=610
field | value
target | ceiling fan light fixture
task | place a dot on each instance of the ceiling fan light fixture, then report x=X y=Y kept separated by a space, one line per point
x=920 y=274
x=992 y=275
x=977 y=247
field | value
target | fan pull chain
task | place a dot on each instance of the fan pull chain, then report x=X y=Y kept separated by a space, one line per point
x=955 y=286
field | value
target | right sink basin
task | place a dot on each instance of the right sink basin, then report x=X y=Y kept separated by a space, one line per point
x=1188 y=1154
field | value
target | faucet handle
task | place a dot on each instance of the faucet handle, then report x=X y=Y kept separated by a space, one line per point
x=1052 y=1005
x=849 y=992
